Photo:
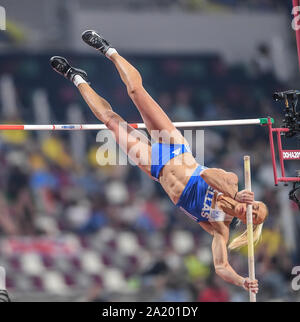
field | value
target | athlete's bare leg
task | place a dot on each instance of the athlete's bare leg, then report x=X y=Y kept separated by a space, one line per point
x=133 y=142
x=153 y=115
x=155 y=119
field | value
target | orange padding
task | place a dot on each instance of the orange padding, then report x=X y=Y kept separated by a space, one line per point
x=11 y=127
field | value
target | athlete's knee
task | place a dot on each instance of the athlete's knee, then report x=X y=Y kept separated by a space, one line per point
x=110 y=118
x=135 y=86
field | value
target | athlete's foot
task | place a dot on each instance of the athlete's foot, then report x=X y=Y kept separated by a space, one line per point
x=93 y=39
x=61 y=66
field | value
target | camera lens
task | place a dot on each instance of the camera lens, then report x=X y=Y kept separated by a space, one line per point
x=278 y=96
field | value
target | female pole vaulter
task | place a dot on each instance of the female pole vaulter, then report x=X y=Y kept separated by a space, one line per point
x=209 y=196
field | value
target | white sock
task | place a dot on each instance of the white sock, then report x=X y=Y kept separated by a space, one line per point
x=77 y=80
x=110 y=52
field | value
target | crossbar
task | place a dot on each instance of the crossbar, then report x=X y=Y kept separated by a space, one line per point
x=74 y=127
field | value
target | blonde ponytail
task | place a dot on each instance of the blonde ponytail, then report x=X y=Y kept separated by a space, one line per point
x=242 y=240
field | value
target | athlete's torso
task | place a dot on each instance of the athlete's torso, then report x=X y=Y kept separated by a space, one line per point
x=176 y=173
x=180 y=176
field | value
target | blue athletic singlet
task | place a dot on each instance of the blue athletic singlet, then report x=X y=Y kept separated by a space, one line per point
x=196 y=198
x=162 y=154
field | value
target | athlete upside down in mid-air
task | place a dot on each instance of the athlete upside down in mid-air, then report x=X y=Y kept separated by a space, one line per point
x=209 y=196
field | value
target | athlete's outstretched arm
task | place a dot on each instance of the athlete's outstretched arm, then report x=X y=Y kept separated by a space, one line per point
x=227 y=183
x=222 y=266
x=220 y=257
x=222 y=181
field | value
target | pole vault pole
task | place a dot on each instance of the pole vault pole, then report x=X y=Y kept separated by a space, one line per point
x=251 y=263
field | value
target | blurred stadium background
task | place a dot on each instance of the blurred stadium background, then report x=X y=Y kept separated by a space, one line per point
x=73 y=231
